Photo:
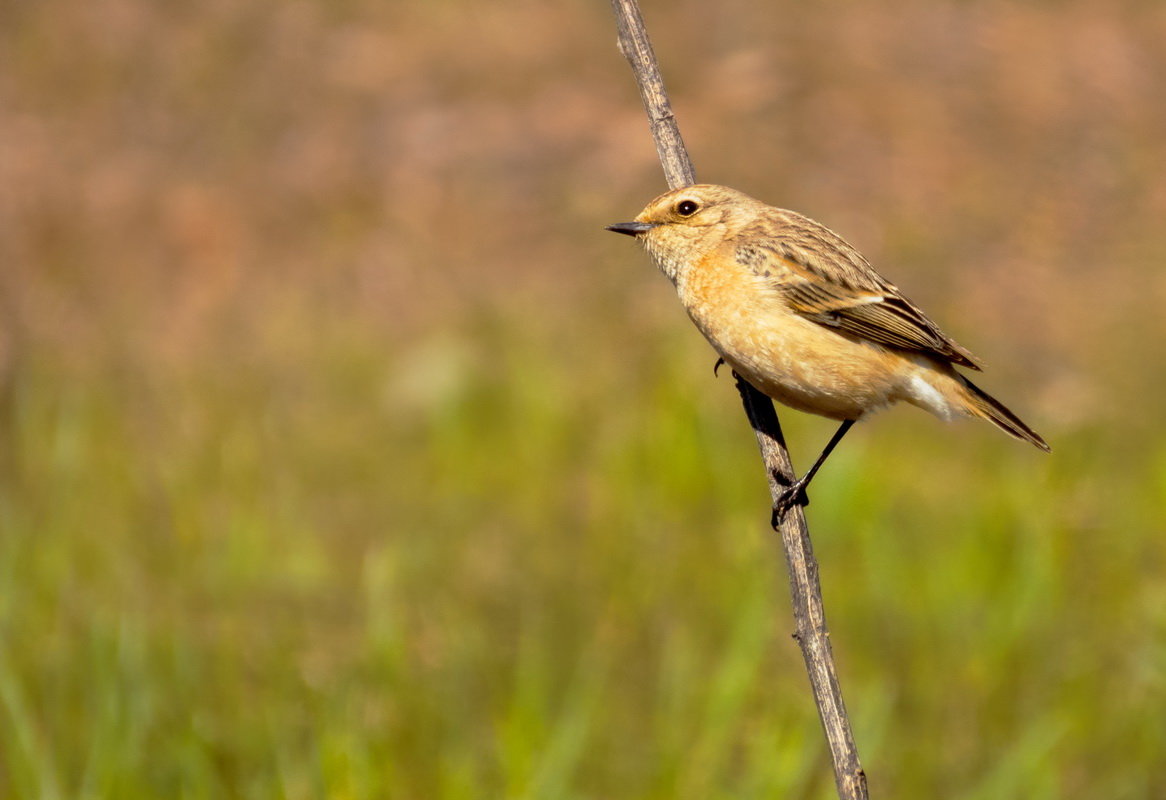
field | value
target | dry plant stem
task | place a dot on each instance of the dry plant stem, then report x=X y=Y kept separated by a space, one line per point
x=806 y=593
x=637 y=49
x=809 y=614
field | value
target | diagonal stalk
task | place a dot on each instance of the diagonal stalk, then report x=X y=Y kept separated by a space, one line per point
x=805 y=590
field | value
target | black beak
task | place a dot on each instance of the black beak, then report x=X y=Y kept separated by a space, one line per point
x=631 y=228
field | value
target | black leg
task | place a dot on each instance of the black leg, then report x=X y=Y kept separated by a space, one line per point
x=795 y=495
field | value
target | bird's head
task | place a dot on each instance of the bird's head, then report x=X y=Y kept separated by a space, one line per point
x=681 y=226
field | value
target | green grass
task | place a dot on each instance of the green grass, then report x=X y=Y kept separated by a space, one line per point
x=457 y=572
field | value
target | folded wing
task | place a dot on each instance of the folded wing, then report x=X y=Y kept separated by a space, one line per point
x=820 y=276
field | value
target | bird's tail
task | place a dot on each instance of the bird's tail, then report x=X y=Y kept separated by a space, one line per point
x=982 y=404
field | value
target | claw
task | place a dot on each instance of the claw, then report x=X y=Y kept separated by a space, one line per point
x=717 y=366
x=795 y=493
x=792 y=496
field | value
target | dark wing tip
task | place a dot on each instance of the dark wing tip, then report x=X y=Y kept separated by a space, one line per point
x=962 y=356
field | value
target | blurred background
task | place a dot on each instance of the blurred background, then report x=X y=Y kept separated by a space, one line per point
x=343 y=454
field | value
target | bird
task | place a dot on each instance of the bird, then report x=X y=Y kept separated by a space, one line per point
x=802 y=316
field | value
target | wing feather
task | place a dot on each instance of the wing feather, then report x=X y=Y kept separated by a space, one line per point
x=821 y=277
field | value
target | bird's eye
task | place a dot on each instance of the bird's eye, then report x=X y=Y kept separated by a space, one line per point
x=686 y=208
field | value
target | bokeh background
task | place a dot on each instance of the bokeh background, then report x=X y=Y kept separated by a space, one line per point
x=343 y=454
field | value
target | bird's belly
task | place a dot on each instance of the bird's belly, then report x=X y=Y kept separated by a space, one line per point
x=806 y=366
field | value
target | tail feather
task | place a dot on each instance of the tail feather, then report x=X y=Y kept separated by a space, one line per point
x=984 y=405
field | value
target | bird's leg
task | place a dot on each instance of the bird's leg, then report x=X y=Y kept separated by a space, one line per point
x=795 y=494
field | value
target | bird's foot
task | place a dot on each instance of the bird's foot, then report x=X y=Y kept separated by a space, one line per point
x=791 y=496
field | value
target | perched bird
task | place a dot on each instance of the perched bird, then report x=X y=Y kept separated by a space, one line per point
x=802 y=316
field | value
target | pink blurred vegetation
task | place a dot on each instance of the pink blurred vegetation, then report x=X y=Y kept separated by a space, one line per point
x=184 y=180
